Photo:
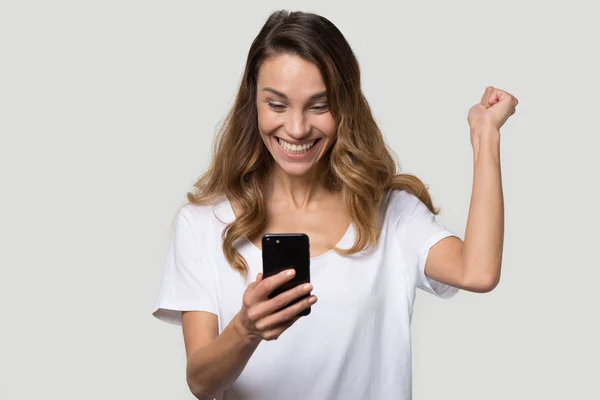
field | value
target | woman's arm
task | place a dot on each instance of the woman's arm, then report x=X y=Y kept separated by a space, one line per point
x=484 y=236
x=215 y=361
x=475 y=264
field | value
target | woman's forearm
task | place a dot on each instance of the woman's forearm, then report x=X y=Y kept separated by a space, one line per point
x=212 y=368
x=484 y=236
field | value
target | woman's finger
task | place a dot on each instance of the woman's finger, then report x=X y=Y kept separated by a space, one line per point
x=266 y=308
x=275 y=332
x=287 y=314
x=266 y=286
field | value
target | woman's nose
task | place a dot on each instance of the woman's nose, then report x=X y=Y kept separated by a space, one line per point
x=297 y=125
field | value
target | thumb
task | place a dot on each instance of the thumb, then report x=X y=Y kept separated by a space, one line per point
x=503 y=106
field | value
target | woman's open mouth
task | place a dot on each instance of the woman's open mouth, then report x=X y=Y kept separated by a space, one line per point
x=294 y=149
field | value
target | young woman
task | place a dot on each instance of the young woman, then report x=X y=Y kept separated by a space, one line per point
x=301 y=152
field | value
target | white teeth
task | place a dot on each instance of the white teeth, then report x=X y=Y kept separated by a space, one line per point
x=295 y=149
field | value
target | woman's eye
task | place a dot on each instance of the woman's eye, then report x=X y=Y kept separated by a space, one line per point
x=276 y=107
x=281 y=107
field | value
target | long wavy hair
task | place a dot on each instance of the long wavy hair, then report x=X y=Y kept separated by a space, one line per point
x=359 y=163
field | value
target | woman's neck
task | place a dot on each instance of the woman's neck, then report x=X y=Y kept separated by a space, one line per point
x=297 y=192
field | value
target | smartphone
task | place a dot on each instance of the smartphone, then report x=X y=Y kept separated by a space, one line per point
x=281 y=251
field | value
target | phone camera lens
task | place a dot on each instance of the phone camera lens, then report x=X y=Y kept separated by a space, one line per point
x=277 y=241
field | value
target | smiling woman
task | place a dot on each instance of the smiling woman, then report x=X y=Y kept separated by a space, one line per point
x=299 y=136
x=301 y=152
x=294 y=120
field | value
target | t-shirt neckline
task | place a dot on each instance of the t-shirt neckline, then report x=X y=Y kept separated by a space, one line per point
x=257 y=250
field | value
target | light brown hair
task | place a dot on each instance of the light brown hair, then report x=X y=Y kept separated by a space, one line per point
x=360 y=164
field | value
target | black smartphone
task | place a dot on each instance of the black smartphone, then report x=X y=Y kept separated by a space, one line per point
x=281 y=251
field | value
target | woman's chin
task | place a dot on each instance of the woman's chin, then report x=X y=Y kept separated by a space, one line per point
x=295 y=169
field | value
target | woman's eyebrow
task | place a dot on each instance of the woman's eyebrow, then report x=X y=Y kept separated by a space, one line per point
x=283 y=96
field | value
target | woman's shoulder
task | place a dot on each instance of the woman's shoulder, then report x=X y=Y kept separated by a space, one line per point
x=402 y=206
x=216 y=211
x=400 y=201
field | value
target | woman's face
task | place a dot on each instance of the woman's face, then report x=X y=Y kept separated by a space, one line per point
x=293 y=115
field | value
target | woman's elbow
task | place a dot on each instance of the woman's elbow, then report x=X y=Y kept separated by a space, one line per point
x=198 y=390
x=200 y=393
x=483 y=283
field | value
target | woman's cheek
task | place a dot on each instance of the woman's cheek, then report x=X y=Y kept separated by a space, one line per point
x=326 y=125
x=267 y=121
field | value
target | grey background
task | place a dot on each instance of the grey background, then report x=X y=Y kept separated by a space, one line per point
x=107 y=112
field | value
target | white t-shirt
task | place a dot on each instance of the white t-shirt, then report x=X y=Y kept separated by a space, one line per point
x=356 y=342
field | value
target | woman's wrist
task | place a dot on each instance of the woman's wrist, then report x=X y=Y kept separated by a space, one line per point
x=242 y=333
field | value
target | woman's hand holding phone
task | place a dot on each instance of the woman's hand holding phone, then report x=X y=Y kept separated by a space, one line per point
x=262 y=318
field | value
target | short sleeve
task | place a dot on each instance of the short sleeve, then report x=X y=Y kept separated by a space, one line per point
x=418 y=231
x=188 y=283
